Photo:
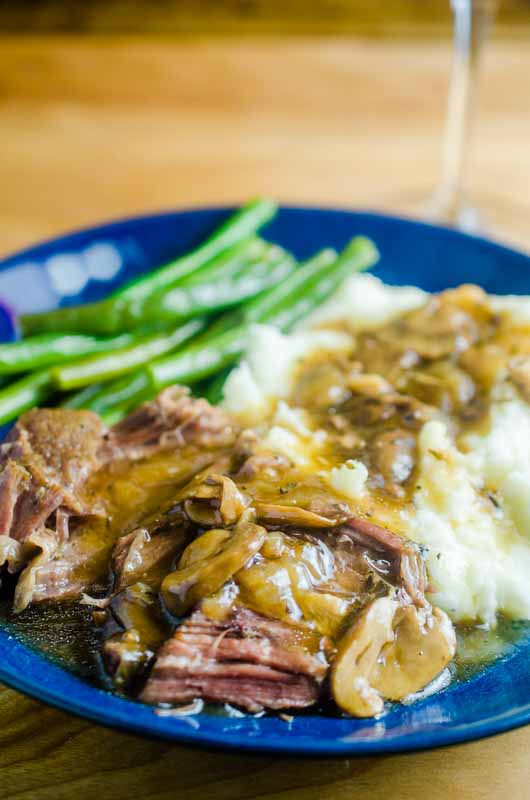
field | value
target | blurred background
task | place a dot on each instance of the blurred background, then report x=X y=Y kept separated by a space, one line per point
x=317 y=17
x=116 y=107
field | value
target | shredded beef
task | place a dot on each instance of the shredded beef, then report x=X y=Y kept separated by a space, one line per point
x=48 y=457
x=44 y=461
x=402 y=558
x=172 y=420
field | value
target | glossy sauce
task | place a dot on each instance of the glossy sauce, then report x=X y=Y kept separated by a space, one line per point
x=439 y=361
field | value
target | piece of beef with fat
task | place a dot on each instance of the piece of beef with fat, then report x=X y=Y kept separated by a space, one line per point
x=247 y=660
x=49 y=456
x=44 y=461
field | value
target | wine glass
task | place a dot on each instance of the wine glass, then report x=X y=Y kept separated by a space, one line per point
x=472 y=22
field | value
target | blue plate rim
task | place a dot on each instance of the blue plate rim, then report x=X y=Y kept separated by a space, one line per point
x=121 y=717
x=123 y=222
x=116 y=712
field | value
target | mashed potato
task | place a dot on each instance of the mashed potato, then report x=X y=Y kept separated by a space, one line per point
x=478 y=561
x=265 y=375
x=470 y=509
x=366 y=302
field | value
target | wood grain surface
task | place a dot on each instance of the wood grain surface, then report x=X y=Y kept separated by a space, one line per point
x=93 y=129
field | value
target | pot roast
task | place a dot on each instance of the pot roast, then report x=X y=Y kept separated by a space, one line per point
x=217 y=570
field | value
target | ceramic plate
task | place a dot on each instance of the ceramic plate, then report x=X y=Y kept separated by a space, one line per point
x=86 y=266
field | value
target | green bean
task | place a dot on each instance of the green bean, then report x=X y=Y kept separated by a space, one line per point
x=213 y=390
x=24 y=394
x=222 y=344
x=187 y=295
x=83 y=397
x=200 y=360
x=240 y=225
x=227 y=265
x=358 y=255
x=114 y=314
x=183 y=303
x=320 y=276
x=261 y=308
x=127 y=392
x=106 y=316
x=51 y=348
x=112 y=365
x=212 y=353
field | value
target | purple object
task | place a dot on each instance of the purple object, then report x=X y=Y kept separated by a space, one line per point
x=8 y=323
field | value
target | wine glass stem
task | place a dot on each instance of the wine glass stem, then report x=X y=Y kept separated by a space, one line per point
x=472 y=20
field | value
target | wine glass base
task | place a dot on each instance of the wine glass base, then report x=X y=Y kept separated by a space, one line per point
x=444 y=210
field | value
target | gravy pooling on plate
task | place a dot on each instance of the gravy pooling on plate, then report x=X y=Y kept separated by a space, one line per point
x=301 y=543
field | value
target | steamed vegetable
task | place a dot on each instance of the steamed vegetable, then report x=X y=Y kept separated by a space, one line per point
x=212 y=295
x=315 y=280
x=125 y=393
x=54 y=348
x=186 y=301
x=111 y=365
x=30 y=391
x=285 y=310
x=213 y=353
x=83 y=398
x=107 y=315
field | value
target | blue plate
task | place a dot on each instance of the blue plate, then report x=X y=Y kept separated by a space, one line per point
x=85 y=266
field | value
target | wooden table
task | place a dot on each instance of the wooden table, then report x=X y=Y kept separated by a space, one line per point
x=94 y=129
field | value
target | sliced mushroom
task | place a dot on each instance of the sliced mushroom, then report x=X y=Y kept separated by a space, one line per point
x=183 y=588
x=37 y=551
x=485 y=362
x=133 y=630
x=424 y=644
x=326 y=611
x=390 y=651
x=140 y=556
x=438 y=329
x=217 y=501
x=394 y=456
x=273 y=514
x=204 y=547
x=267 y=588
x=357 y=657
x=274 y=545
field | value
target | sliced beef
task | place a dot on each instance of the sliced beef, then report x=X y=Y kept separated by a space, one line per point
x=58 y=447
x=84 y=558
x=171 y=421
x=247 y=660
